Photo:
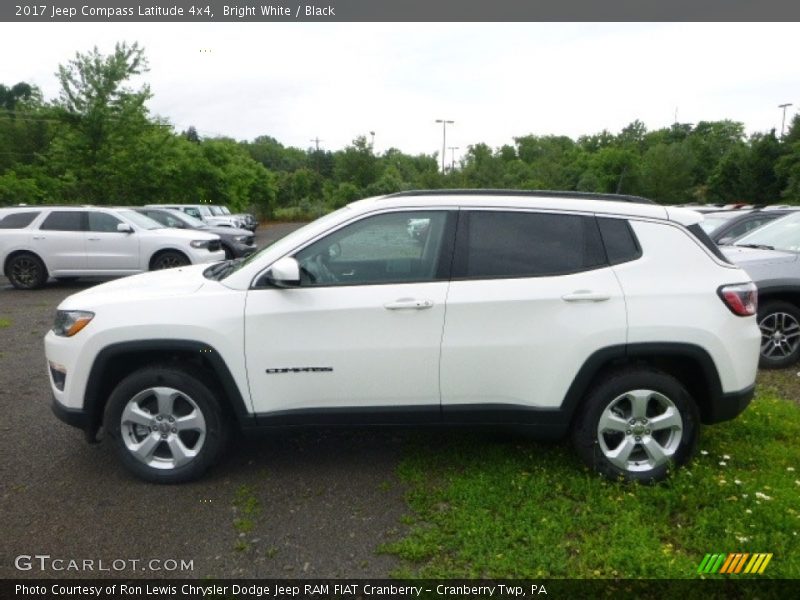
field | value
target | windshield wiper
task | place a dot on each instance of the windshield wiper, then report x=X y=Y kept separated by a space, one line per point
x=756 y=246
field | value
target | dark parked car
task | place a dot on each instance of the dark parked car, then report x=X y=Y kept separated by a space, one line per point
x=725 y=227
x=235 y=242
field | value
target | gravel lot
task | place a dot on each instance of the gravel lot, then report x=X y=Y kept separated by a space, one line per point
x=300 y=503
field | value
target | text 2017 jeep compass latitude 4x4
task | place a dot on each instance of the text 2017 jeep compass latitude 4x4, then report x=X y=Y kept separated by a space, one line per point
x=616 y=321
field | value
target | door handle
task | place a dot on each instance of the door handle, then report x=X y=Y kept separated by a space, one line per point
x=585 y=296
x=408 y=303
x=93 y=239
x=38 y=237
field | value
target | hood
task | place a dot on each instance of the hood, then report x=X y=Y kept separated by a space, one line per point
x=757 y=256
x=228 y=231
x=154 y=284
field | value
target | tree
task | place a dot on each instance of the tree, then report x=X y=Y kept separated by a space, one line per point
x=103 y=121
x=667 y=173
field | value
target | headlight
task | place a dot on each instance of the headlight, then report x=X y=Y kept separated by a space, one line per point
x=241 y=238
x=70 y=322
x=199 y=243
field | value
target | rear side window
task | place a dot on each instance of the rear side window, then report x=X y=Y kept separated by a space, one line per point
x=18 y=220
x=63 y=220
x=618 y=238
x=499 y=244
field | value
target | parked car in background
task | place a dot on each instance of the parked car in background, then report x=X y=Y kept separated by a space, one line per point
x=202 y=212
x=223 y=211
x=235 y=242
x=725 y=227
x=67 y=242
x=250 y=222
x=619 y=323
x=771 y=256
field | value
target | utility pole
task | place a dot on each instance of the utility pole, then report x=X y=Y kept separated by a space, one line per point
x=783 y=120
x=444 y=123
x=316 y=141
x=452 y=157
x=372 y=142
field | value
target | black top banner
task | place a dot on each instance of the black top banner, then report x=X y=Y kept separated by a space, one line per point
x=401 y=10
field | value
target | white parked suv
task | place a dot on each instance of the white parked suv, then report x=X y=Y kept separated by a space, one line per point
x=66 y=242
x=618 y=322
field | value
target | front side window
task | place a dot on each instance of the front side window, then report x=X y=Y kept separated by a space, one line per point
x=64 y=220
x=387 y=248
x=102 y=222
x=193 y=212
x=505 y=244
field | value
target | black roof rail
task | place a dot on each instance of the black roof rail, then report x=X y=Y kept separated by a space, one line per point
x=534 y=193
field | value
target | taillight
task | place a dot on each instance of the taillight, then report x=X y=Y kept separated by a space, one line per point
x=740 y=298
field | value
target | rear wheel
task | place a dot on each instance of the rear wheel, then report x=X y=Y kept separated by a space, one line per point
x=26 y=271
x=165 y=423
x=779 y=322
x=169 y=260
x=635 y=425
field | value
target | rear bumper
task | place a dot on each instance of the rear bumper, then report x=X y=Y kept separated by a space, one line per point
x=730 y=405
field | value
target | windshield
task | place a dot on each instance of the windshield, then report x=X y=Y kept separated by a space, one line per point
x=709 y=224
x=225 y=210
x=216 y=211
x=191 y=221
x=781 y=234
x=223 y=269
x=140 y=220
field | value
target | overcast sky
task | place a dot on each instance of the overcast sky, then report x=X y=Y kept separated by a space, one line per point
x=298 y=81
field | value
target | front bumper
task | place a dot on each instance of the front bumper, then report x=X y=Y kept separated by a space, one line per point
x=77 y=417
x=728 y=406
x=242 y=250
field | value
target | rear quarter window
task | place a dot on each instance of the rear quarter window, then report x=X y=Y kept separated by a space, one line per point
x=18 y=220
x=619 y=240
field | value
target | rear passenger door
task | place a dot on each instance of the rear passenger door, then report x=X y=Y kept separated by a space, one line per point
x=61 y=241
x=532 y=297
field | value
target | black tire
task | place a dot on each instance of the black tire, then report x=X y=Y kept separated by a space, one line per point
x=658 y=392
x=779 y=322
x=169 y=259
x=228 y=252
x=66 y=279
x=26 y=271
x=191 y=394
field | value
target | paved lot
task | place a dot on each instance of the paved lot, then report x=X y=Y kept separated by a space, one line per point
x=308 y=503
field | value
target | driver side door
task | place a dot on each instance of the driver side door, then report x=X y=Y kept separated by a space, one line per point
x=359 y=339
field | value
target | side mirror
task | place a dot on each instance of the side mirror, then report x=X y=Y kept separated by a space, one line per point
x=284 y=273
x=124 y=228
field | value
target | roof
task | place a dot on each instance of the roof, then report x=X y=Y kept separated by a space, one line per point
x=606 y=204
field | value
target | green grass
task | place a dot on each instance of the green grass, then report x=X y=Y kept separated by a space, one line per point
x=514 y=508
x=247 y=508
x=5 y=323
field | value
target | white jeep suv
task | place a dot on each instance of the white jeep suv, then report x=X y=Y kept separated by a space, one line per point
x=618 y=322
x=66 y=242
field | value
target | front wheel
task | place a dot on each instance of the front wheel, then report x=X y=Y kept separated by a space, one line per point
x=165 y=423
x=635 y=425
x=779 y=323
x=169 y=260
